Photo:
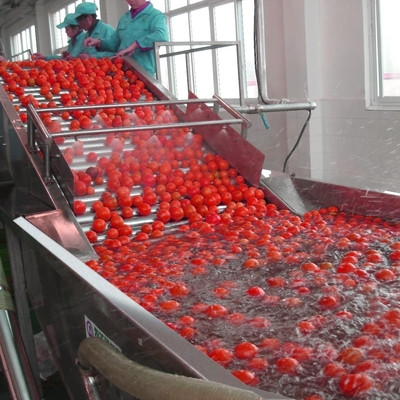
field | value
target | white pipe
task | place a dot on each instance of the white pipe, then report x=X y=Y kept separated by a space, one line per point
x=260 y=50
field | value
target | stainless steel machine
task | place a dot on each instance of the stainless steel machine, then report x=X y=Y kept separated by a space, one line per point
x=48 y=247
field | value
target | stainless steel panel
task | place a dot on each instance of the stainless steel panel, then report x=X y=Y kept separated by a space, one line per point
x=280 y=190
x=383 y=204
x=66 y=294
x=62 y=227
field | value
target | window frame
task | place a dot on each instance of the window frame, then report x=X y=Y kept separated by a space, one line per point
x=18 y=56
x=373 y=65
x=211 y=5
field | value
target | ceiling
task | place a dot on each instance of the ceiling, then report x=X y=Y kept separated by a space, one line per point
x=13 y=10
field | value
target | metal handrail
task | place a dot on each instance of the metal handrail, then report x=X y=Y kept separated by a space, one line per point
x=15 y=363
x=38 y=132
x=14 y=56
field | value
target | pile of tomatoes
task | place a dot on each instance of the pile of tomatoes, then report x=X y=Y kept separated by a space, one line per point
x=179 y=180
x=71 y=83
x=305 y=306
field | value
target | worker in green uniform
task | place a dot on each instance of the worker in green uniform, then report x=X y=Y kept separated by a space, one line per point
x=75 y=43
x=85 y=14
x=135 y=35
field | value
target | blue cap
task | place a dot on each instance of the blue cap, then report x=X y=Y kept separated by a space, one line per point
x=85 y=9
x=68 y=20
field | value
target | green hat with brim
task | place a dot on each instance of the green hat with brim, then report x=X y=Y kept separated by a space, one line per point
x=85 y=9
x=68 y=20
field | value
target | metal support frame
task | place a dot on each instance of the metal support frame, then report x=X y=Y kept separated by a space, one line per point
x=28 y=386
x=29 y=51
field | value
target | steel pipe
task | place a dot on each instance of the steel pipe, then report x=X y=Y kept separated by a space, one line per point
x=12 y=353
x=276 y=106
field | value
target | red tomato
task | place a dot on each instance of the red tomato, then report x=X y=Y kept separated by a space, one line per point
x=179 y=290
x=116 y=221
x=385 y=275
x=258 y=364
x=186 y=320
x=236 y=318
x=213 y=218
x=140 y=237
x=177 y=213
x=99 y=225
x=245 y=376
x=270 y=343
x=91 y=236
x=255 y=291
x=353 y=385
x=287 y=365
x=327 y=302
x=125 y=230
x=222 y=356
x=259 y=322
x=144 y=209
x=169 y=305
x=158 y=226
x=251 y=263
x=79 y=207
x=305 y=327
x=216 y=311
x=351 y=355
x=163 y=215
x=103 y=213
x=245 y=350
x=334 y=369
x=80 y=188
x=276 y=282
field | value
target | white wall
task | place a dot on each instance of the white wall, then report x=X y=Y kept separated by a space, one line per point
x=324 y=61
x=111 y=11
x=273 y=142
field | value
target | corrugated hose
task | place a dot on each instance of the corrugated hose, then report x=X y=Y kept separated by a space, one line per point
x=148 y=384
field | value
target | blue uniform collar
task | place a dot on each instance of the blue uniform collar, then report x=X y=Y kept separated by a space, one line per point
x=137 y=11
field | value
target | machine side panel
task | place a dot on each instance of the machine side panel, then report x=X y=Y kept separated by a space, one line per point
x=360 y=201
x=65 y=293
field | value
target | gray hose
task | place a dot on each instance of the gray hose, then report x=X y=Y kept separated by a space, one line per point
x=148 y=384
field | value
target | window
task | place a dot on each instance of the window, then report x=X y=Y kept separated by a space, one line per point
x=205 y=21
x=383 y=70
x=23 y=44
x=59 y=37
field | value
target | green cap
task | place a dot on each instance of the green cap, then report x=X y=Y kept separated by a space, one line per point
x=85 y=9
x=68 y=20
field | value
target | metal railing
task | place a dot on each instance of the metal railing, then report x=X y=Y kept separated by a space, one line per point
x=15 y=56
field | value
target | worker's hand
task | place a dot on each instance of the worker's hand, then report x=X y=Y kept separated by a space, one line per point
x=128 y=51
x=65 y=54
x=2 y=58
x=84 y=56
x=92 y=42
x=38 y=56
